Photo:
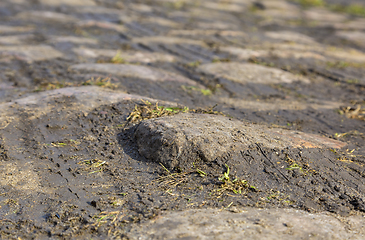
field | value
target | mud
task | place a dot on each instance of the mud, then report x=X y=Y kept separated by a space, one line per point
x=181 y=119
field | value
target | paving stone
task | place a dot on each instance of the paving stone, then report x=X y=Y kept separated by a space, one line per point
x=32 y=53
x=357 y=24
x=160 y=21
x=324 y=16
x=353 y=36
x=246 y=54
x=68 y=2
x=102 y=24
x=12 y=29
x=87 y=97
x=225 y=6
x=167 y=40
x=203 y=32
x=46 y=16
x=217 y=25
x=280 y=104
x=97 y=10
x=15 y=40
x=210 y=15
x=279 y=14
x=140 y=7
x=292 y=46
x=279 y=4
x=249 y=73
x=127 y=56
x=278 y=10
x=177 y=141
x=249 y=223
x=72 y=39
x=128 y=70
x=291 y=37
x=348 y=54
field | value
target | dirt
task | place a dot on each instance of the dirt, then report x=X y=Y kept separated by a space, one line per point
x=207 y=118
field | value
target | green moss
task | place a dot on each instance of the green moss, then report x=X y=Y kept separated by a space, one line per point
x=310 y=3
x=352 y=9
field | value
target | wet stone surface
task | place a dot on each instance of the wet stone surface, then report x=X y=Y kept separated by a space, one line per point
x=189 y=119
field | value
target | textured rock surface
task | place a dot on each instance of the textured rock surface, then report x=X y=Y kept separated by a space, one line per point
x=245 y=73
x=126 y=70
x=89 y=95
x=179 y=140
x=249 y=223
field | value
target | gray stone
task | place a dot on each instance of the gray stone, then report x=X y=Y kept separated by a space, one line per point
x=225 y=6
x=102 y=24
x=177 y=141
x=247 y=72
x=97 y=10
x=216 y=25
x=348 y=54
x=249 y=223
x=32 y=53
x=46 y=16
x=140 y=7
x=291 y=37
x=353 y=36
x=278 y=104
x=11 y=29
x=245 y=54
x=15 y=40
x=68 y=2
x=160 y=21
x=167 y=40
x=72 y=39
x=357 y=24
x=203 y=32
x=87 y=97
x=128 y=70
x=324 y=16
x=127 y=56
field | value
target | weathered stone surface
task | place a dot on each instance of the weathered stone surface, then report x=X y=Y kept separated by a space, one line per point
x=353 y=36
x=348 y=54
x=225 y=6
x=207 y=33
x=127 y=70
x=177 y=141
x=32 y=53
x=127 y=56
x=245 y=54
x=102 y=24
x=278 y=4
x=167 y=40
x=98 y=10
x=279 y=10
x=160 y=21
x=46 y=16
x=291 y=37
x=324 y=16
x=279 y=104
x=72 y=39
x=217 y=25
x=357 y=24
x=11 y=29
x=249 y=223
x=140 y=7
x=247 y=72
x=15 y=40
x=68 y=2
x=87 y=97
x=280 y=14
